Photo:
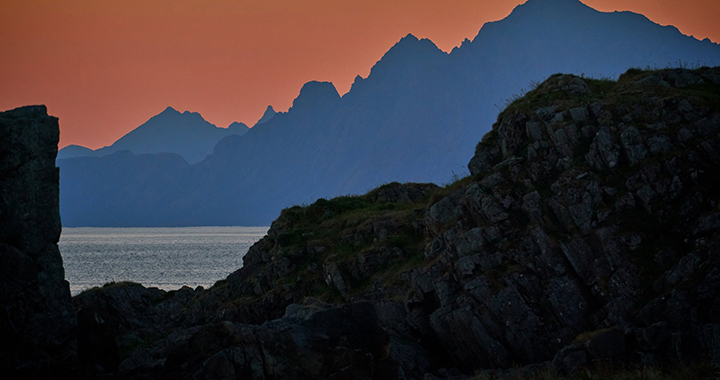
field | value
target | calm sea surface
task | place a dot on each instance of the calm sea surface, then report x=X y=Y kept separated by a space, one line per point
x=164 y=257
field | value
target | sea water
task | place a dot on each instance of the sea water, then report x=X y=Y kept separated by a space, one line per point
x=167 y=258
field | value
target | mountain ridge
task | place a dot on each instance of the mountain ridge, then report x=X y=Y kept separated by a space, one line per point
x=185 y=133
x=410 y=120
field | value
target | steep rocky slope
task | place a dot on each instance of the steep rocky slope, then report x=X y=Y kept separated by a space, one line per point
x=588 y=230
x=37 y=319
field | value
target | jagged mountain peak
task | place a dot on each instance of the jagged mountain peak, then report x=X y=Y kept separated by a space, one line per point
x=411 y=45
x=407 y=40
x=170 y=110
x=173 y=119
x=409 y=56
x=187 y=134
x=416 y=117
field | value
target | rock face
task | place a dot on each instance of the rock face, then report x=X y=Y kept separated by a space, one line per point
x=588 y=231
x=37 y=318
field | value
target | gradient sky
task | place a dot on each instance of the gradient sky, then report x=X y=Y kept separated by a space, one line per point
x=106 y=66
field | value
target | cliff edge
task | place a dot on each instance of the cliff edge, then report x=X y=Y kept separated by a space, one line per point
x=37 y=318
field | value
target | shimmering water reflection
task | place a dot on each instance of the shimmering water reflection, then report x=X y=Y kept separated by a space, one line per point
x=164 y=257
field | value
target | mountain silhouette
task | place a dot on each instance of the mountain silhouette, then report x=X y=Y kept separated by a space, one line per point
x=72 y=151
x=269 y=114
x=415 y=118
x=186 y=134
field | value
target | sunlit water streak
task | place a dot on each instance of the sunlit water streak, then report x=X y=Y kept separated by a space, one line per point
x=167 y=258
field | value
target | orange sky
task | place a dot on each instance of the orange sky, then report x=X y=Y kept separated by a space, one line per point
x=106 y=66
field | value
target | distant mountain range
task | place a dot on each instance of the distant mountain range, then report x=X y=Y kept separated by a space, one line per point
x=415 y=118
x=186 y=134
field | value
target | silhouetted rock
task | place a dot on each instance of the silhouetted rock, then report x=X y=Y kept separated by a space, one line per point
x=37 y=322
x=548 y=258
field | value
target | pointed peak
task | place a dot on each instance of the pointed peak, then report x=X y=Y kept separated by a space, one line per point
x=409 y=38
x=269 y=114
x=409 y=51
x=411 y=45
x=172 y=116
x=358 y=80
x=357 y=83
x=410 y=42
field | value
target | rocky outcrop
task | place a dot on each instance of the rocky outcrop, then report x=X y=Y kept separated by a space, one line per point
x=588 y=231
x=589 y=212
x=37 y=319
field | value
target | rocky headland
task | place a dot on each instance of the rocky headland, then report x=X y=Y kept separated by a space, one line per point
x=587 y=232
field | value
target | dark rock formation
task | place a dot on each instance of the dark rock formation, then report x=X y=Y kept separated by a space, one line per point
x=37 y=318
x=587 y=232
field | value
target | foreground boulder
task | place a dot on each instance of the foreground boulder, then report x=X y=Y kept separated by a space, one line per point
x=587 y=232
x=37 y=320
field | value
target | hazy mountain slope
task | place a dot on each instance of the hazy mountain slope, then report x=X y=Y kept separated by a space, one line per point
x=418 y=114
x=72 y=151
x=543 y=37
x=170 y=131
x=121 y=189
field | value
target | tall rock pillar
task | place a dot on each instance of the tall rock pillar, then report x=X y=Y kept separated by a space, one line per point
x=37 y=320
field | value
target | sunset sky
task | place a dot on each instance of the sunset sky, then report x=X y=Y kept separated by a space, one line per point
x=106 y=66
